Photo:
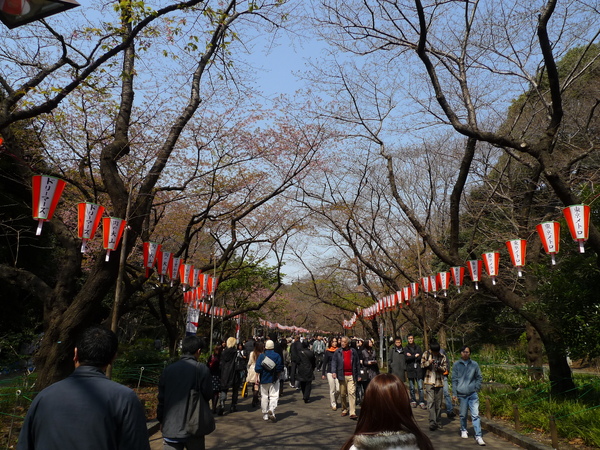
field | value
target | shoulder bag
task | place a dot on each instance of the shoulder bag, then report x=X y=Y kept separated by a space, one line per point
x=199 y=418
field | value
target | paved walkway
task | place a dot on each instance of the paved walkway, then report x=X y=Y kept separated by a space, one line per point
x=315 y=426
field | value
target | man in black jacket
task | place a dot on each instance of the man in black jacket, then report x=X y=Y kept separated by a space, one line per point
x=176 y=382
x=413 y=354
x=86 y=409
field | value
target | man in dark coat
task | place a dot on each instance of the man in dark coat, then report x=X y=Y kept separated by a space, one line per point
x=413 y=355
x=305 y=372
x=295 y=358
x=230 y=377
x=86 y=410
x=176 y=382
x=397 y=360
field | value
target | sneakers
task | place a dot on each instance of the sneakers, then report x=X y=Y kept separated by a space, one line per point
x=265 y=417
x=479 y=440
x=334 y=406
x=271 y=416
x=413 y=404
x=423 y=406
x=464 y=434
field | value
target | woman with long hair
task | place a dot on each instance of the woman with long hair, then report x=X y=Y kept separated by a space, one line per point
x=368 y=360
x=252 y=377
x=386 y=419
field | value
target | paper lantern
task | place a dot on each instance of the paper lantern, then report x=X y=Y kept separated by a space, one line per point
x=112 y=230
x=46 y=192
x=185 y=270
x=89 y=216
x=164 y=264
x=443 y=281
x=578 y=220
x=475 y=267
x=173 y=270
x=491 y=261
x=425 y=284
x=517 y=249
x=414 y=289
x=433 y=286
x=550 y=236
x=406 y=294
x=151 y=249
x=458 y=274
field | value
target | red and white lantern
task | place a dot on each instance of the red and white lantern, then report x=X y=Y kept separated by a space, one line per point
x=185 y=270
x=433 y=286
x=475 y=268
x=88 y=218
x=164 y=262
x=425 y=284
x=443 y=281
x=517 y=249
x=195 y=277
x=112 y=230
x=173 y=270
x=406 y=294
x=15 y=7
x=46 y=192
x=491 y=260
x=578 y=220
x=414 y=289
x=458 y=275
x=151 y=249
x=550 y=236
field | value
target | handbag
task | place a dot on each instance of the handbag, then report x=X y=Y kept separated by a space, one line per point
x=268 y=364
x=199 y=418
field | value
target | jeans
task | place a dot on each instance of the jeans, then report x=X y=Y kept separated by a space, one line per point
x=471 y=402
x=447 y=396
x=412 y=383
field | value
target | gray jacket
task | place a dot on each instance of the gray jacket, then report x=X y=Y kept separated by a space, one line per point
x=174 y=387
x=397 y=362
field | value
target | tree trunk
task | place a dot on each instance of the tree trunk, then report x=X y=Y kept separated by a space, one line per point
x=534 y=353
x=561 y=376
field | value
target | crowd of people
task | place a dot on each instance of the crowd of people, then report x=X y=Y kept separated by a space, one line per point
x=191 y=393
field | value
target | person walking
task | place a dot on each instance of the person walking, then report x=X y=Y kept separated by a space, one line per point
x=327 y=374
x=253 y=379
x=447 y=397
x=86 y=409
x=414 y=371
x=435 y=365
x=269 y=380
x=295 y=348
x=229 y=376
x=397 y=360
x=214 y=366
x=386 y=419
x=345 y=367
x=368 y=359
x=318 y=349
x=306 y=371
x=466 y=383
x=176 y=382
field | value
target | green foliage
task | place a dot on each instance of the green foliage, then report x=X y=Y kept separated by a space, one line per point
x=575 y=419
x=140 y=363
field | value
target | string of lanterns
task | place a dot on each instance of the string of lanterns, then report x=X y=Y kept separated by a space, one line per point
x=578 y=221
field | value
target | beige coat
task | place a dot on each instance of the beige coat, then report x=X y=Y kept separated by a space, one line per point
x=252 y=375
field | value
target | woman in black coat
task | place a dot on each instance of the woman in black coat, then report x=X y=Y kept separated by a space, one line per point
x=230 y=378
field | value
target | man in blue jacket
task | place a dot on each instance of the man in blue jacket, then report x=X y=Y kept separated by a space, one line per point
x=269 y=381
x=345 y=366
x=86 y=410
x=466 y=382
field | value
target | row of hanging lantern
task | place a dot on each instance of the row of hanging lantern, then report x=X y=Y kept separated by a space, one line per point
x=577 y=218
x=46 y=192
x=278 y=326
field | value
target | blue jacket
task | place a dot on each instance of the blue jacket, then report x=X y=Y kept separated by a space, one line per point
x=265 y=375
x=337 y=364
x=466 y=378
x=85 y=410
